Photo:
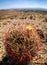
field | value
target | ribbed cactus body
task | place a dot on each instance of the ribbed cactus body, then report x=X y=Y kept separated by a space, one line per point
x=22 y=44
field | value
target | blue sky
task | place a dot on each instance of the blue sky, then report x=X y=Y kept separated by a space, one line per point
x=7 y=4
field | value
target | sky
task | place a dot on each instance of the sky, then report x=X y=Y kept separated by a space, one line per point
x=8 y=4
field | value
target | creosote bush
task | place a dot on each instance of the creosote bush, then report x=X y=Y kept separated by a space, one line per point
x=45 y=20
x=22 y=43
x=31 y=17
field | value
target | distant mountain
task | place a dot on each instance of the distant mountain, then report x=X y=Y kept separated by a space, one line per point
x=34 y=9
x=42 y=9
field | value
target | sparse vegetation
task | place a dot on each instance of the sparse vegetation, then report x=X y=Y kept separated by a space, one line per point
x=40 y=32
x=11 y=18
x=31 y=17
x=37 y=19
x=4 y=23
x=45 y=20
x=2 y=18
x=23 y=18
x=8 y=21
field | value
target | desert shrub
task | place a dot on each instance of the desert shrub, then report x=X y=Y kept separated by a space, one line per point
x=31 y=17
x=11 y=18
x=8 y=21
x=15 y=16
x=45 y=20
x=42 y=35
x=4 y=23
x=40 y=32
x=23 y=17
x=0 y=18
x=0 y=25
x=45 y=38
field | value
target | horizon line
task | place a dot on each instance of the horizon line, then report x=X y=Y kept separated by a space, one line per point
x=38 y=8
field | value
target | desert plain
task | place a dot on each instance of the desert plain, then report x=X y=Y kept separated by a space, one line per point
x=38 y=19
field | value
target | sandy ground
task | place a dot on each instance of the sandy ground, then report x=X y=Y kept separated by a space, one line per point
x=12 y=18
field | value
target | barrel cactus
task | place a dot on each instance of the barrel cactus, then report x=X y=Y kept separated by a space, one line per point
x=22 y=43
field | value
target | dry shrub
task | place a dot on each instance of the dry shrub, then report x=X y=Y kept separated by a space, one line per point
x=45 y=20
x=31 y=17
x=4 y=23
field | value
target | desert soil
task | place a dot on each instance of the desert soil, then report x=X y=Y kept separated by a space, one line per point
x=10 y=18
